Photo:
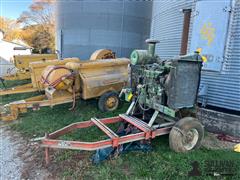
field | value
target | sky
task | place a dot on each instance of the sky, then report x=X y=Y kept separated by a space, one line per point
x=13 y=8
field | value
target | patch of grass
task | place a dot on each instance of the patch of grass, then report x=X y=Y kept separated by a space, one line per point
x=161 y=163
x=50 y=119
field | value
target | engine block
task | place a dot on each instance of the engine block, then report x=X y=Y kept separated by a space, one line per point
x=165 y=85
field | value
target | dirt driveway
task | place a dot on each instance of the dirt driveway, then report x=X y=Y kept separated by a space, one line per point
x=10 y=164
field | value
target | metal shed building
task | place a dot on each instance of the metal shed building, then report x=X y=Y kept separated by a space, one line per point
x=84 y=26
x=214 y=27
x=167 y=25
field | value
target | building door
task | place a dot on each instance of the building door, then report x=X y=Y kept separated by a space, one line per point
x=210 y=28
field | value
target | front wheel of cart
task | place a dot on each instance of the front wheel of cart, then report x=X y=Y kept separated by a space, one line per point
x=108 y=101
x=186 y=135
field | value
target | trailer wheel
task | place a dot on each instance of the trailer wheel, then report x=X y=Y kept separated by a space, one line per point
x=108 y=101
x=187 y=134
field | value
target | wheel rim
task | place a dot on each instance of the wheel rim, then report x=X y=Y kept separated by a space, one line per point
x=190 y=139
x=111 y=103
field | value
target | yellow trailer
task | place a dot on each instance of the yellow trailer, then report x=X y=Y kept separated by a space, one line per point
x=35 y=69
x=66 y=83
x=22 y=62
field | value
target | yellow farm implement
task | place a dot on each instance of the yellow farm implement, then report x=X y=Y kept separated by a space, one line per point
x=22 y=62
x=32 y=69
x=73 y=79
x=36 y=69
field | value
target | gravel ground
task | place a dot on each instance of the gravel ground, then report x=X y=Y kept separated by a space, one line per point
x=19 y=159
x=10 y=164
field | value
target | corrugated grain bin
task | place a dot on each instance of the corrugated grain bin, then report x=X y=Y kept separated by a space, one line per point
x=167 y=25
x=84 y=26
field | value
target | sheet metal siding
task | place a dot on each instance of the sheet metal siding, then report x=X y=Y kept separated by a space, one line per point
x=167 y=25
x=231 y=64
x=224 y=87
x=210 y=31
x=90 y=25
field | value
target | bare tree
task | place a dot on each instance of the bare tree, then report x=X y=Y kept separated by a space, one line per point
x=40 y=12
x=11 y=28
x=41 y=18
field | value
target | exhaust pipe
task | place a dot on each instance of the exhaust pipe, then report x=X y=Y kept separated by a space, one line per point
x=151 y=46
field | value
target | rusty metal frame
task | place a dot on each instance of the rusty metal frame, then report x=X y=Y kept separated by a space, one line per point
x=145 y=132
x=17 y=107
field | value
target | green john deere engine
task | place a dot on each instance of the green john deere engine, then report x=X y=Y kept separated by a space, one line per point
x=161 y=93
x=164 y=85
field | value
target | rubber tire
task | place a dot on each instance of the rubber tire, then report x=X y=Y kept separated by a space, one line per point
x=184 y=125
x=102 y=101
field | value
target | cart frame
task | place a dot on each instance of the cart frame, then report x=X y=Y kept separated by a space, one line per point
x=15 y=108
x=145 y=132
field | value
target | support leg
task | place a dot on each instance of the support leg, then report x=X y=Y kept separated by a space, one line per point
x=47 y=159
x=153 y=118
x=130 y=108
